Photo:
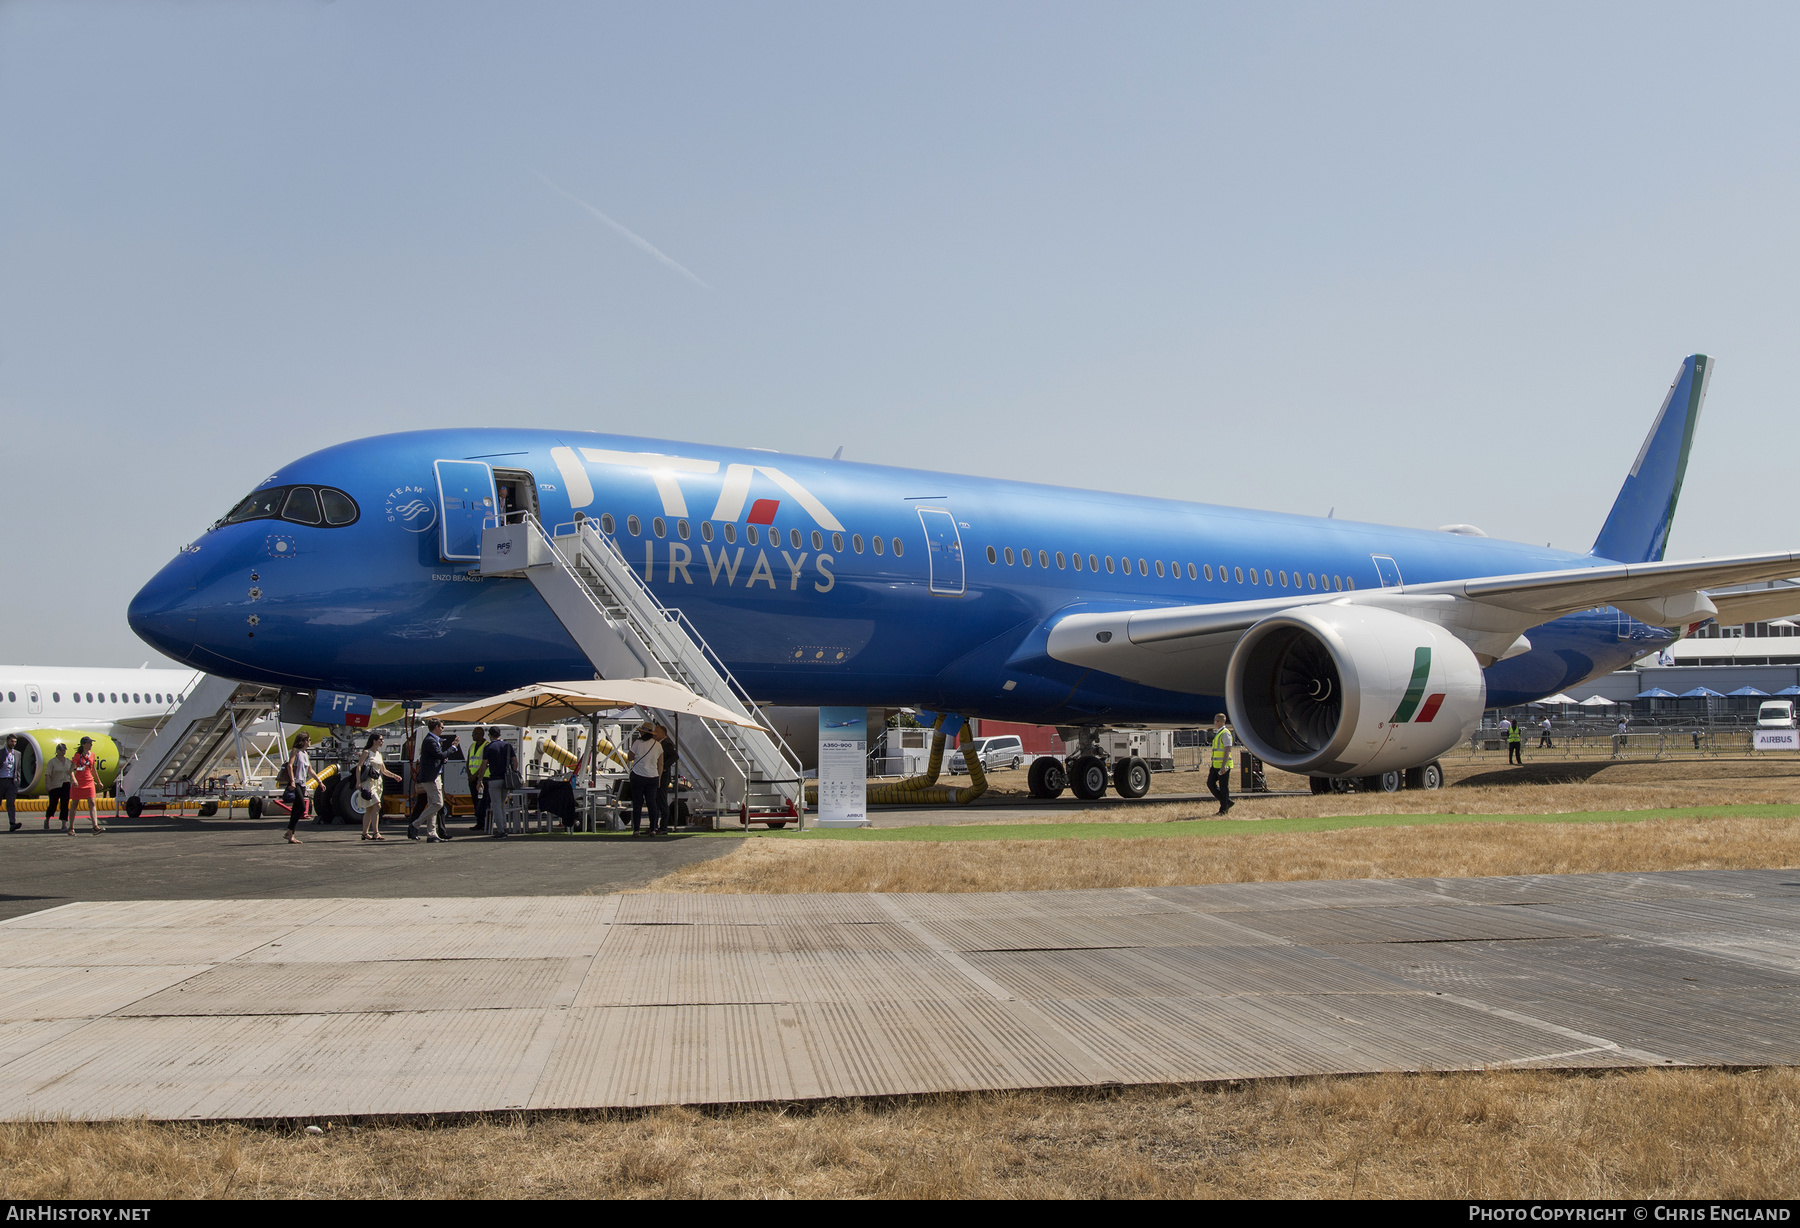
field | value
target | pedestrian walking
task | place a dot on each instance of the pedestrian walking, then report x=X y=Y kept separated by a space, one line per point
x=1619 y=737
x=12 y=779
x=371 y=770
x=85 y=786
x=477 y=781
x=300 y=782
x=665 y=781
x=1544 y=735
x=57 y=774
x=1218 y=774
x=430 y=778
x=453 y=752
x=646 y=779
x=497 y=764
x=1515 y=744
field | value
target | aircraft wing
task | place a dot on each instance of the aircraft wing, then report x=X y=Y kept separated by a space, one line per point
x=1186 y=648
x=1756 y=607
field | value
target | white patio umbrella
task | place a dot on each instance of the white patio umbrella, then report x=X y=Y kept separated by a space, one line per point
x=1596 y=701
x=1558 y=698
x=562 y=701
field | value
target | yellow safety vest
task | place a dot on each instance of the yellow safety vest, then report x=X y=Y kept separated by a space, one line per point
x=1221 y=752
x=1516 y=733
x=475 y=753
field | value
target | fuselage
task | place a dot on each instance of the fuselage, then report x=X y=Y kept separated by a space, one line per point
x=115 y=702
x=816 y=581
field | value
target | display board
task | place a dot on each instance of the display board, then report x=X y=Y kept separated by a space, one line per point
x=1777 y=739
x=843 y=767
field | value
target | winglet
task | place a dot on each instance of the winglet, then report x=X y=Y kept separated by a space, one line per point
x=1637 y=530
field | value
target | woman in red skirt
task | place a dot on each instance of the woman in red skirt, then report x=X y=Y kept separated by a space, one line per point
x=86 y=786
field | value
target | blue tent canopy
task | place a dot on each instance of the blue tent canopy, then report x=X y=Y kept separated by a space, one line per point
x=1657 y=692
x=1702 y=692
x=1789 y=690
x=1744 y=690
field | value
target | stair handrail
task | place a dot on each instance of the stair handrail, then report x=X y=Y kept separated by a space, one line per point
x=580 y=529
x=735 y=753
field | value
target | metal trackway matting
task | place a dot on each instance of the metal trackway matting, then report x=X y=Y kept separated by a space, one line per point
x=302 y=1008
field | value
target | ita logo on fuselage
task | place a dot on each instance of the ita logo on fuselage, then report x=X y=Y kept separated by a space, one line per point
x=411 y=509
x=666 y=473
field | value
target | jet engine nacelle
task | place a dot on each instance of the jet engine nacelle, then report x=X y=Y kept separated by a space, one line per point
x=1344 y=690
x=38 y=747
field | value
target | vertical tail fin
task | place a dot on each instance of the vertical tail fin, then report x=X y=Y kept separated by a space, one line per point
x=1637 y=530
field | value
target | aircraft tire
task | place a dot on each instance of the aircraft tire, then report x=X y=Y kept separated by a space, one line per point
x=254 y=809
x=1320 y=784
x=1386 y=782
x=134 y=806
x=1087 y=777
x=324 y=801
x=1131 y=777
x=1048 y=778
x=350 y=805
x=1431 y=776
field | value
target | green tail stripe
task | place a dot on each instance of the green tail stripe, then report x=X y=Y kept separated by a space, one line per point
x=1415 y=690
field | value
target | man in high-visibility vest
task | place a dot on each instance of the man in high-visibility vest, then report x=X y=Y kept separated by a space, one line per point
x=1218 y=772
x=1515 y=744
x=477 y=781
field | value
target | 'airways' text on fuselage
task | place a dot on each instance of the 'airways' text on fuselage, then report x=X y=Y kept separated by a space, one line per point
x=726 y=566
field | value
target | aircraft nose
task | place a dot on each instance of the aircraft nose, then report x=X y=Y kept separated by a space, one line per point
x=160 y=614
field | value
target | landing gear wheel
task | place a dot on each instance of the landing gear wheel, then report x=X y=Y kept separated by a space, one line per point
x=1131 y=777
x=324 y=800
x=1320 y=784
x=134 y=806
x=1431 y=776
x=1386 y=782
x=254 y=809
x=1344 y=784
x=350 y=804
x=1048 y=778
x=1087 y=777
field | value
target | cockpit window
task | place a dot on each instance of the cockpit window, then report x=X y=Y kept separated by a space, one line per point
x=302 y=506
x=340 y=508
x=310 y=505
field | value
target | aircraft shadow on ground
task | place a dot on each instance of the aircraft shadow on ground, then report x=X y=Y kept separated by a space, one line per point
x=1538 y=774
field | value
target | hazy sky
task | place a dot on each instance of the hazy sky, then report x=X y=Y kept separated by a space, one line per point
x=1423 y=264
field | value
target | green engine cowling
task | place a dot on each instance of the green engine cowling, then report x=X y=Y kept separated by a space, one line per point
x=39 y=747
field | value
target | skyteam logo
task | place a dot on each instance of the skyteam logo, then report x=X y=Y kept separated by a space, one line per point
x=1415 y=691
x=411 y=508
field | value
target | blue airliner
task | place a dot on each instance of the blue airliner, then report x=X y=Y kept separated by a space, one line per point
x=1339 y=648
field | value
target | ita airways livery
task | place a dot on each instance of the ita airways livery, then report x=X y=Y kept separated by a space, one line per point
x=118 y=708
x=1339 y=649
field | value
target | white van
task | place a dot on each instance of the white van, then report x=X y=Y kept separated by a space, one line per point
x=997 y=754
x=1775 y=714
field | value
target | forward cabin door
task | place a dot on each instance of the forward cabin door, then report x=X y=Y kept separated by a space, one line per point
x=466 y=496
x=943 y=545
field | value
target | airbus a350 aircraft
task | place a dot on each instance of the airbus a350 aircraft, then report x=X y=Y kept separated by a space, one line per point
x=1339 y=649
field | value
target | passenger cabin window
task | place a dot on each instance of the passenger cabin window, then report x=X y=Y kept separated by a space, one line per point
x=837 y=544
x=794 y=538
x=1009 y=556
x=1159 y=569
x=633 y=525
x=1076 y=559
x=1194 y=575
x=681 y=529
x=1025 y=557
x=1094 y=563
x=992 y=557
x=1253 y=575
x=1109 y=564
x=899 y=548
x=606 y=522
x=756 y=537
x=706 y=530
x=818 y=540
x=876 y=542
x=1061 y=563
x=658 y=527
x=730 y=532
x=1239 y=573
x=856 y=542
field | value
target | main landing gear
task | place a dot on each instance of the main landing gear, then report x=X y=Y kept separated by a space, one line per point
x=1430 y=776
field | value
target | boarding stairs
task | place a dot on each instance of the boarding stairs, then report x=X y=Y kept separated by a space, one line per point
x=195 y=737
x=625 y=631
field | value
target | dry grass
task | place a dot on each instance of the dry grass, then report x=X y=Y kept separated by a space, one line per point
x=1655 y=1133
x=1551 y=787
x=1459 y=850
